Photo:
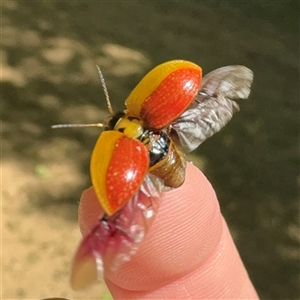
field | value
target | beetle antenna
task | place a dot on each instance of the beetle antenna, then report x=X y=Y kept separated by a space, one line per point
x=95 y=124
x=105 y=91
x=76 y=125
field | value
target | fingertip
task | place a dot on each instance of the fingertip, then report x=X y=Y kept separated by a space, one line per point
x=188 y=253
x=185 y=232
x=183 y=250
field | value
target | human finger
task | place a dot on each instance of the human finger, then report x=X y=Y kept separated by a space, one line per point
x=187 y=252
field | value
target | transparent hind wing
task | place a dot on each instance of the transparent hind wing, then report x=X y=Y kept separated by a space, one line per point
x=213 y=107
x=115 y=239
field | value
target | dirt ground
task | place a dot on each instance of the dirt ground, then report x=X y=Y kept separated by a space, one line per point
x=37 y=247
x=48 y=57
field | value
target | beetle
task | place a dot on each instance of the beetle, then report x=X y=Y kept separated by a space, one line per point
x=141 y=153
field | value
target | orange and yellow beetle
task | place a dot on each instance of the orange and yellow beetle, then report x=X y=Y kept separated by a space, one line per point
x=126 y=149
x=141 y=153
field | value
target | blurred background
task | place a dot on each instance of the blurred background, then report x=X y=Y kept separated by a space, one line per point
x=49 y=52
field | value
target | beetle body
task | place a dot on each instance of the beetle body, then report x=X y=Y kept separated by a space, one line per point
x=167 y=161
x=161 y=96
x=171 y=169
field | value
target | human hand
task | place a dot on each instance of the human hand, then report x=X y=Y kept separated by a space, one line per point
x=188 y=252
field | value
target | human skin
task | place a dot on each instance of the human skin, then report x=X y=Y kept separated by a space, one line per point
x=188 y=252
